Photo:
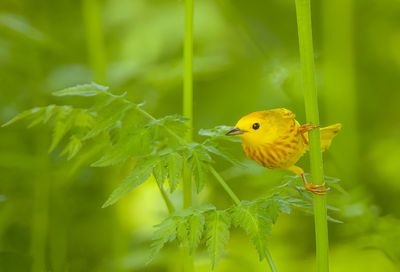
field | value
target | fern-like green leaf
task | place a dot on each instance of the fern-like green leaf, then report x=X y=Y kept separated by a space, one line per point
x=109 y=118
x=175 y=168
x=182 y=230
x=62 y=125
x=137 y=176
x=23 y=115
x=72 y=147
x=275 y=205
x=175 y=123
x=217 y=234
x=212 y=148
x=91 y=89
x=196 y=223
x=255 y=220
x=218 y=133
x=160 y=172
x=133 y=144
x=199 y=159
x=165 y=232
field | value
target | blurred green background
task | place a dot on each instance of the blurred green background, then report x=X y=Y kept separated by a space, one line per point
x=246 y=59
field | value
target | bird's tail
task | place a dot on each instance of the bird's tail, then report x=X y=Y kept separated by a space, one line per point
x=328 y=133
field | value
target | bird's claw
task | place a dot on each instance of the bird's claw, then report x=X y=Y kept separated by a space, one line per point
x=318 y=189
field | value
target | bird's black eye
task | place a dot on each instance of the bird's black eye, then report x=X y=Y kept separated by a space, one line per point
x=256 y=126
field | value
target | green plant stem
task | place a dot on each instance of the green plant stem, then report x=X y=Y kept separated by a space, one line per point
x=304 y=25
x=224 y=185
x=270 y=261
x=188 y=262
x=188 y=67
x=188 y=94
x=167 y=200
x=95 y=40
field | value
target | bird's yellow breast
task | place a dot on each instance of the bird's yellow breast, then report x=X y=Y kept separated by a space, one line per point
x=281 y=151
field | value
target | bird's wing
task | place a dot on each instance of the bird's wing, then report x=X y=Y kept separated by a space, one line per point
x=286 y=114
x=282 y=119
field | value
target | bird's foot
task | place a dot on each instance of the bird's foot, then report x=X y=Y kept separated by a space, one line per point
x=318 y=189
x=307 y=127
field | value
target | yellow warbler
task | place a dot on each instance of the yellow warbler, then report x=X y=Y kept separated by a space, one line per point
x=274 y=139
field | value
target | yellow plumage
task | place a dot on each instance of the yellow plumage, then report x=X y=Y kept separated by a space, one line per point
x=274 y=139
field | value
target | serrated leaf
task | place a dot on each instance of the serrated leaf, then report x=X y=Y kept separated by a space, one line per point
x=165 y=232
x=273 y=206
x=108 y=119
x=23 y=115
x=199 y=159
x=130 y=145
x=218 y=132
x=62 y=126
x=217 y=234
x=160 y=172
x=49 y=113
x=214 y=150
x=196 y=225
x=255 y=221
x=91 y=89
x=72 y=147
x=175 y=123
x=60 y=129
x=137 y=176
x=83 y=119
x=182 y=230
x=175 y=168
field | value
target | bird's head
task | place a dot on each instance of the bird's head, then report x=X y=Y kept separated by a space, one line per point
x=253 y=128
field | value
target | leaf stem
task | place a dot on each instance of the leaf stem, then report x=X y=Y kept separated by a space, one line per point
x=167 y=200
x=270 y=261
x=224 y=185
x=304 y=25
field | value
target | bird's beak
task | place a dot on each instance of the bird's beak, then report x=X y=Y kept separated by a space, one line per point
x=235 y=131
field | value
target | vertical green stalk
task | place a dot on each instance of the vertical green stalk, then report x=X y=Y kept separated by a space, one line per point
x=95 y=40
x=304 y=25
x=188 y=66
x=188 y=263
x=188 y=93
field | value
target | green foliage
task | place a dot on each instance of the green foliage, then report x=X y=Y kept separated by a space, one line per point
x=217 y=229
x=256 y=219
x=125 y=134
x=166 y=232
x=198 y=160
x=196 y=223
x=187 y=226
x=92 y=89
x=218 y=133
x=136 y=177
